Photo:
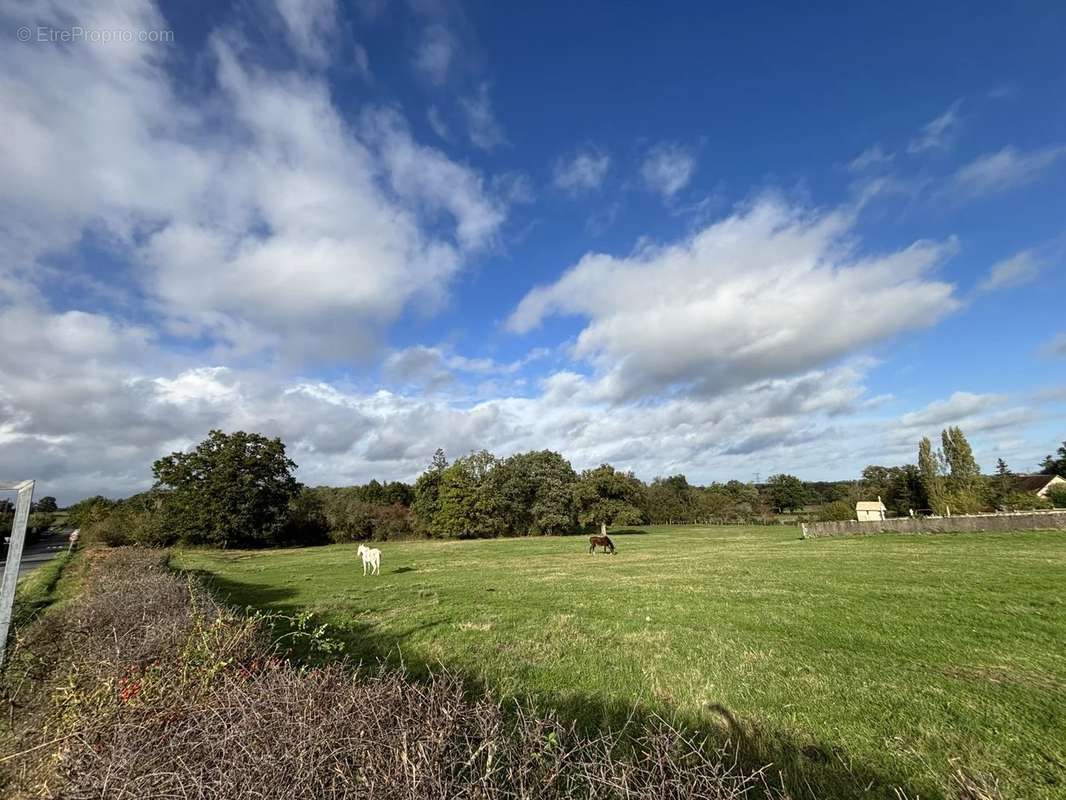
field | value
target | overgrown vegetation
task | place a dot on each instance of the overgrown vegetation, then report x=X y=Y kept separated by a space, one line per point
x=174 y=696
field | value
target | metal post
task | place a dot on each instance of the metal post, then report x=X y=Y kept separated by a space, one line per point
x=14 y=556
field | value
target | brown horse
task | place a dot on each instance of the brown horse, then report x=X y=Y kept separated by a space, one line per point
x=602 y=541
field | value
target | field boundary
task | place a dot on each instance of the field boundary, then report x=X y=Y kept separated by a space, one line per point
x=963 y=523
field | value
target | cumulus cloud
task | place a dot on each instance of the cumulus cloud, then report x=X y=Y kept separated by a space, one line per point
x=668 y=168
x=434 y=368
x=123 y=402
x=1004 y=169
x=960 y=406
x=258 y=218
x=983 y=417
x=584 y=172
x=100 y=428
x=769 y=291
x=937 y=133
x=1014 y=271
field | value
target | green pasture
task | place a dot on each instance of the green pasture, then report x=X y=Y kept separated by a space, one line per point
x=854 y=664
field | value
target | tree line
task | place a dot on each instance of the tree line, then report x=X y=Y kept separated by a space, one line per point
x=239 y=490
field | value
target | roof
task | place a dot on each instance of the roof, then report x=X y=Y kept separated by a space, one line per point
x=870 y=505
x=1032 y=483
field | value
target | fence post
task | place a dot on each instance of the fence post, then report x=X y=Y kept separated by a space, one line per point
x=14 y=556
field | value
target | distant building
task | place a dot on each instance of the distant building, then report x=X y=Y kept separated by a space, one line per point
x=868 y=510
x=1039 y=485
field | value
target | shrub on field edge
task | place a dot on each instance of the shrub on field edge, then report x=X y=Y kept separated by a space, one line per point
x=1057 y=496
x=837 y=511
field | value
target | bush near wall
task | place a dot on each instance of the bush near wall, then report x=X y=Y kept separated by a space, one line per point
x=1057 y=496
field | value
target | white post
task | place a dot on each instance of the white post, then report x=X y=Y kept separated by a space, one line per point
x=14 y=556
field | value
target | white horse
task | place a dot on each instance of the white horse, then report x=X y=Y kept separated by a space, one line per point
x=372 y=558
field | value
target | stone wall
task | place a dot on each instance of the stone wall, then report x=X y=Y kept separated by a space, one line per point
x=1017 y=521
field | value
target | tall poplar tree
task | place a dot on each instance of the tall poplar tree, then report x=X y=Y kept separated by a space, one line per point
x=932 y=480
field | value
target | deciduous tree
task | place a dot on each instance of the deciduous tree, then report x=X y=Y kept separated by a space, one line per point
x=787 y=492
x=606 y=496
x=1055 y=466
x=931 y=478
x=233 y=489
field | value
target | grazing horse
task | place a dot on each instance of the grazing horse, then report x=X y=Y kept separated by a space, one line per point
x=372 y=558
x=603 y=541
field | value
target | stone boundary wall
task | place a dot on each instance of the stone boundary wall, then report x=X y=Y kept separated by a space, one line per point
x=965 y=523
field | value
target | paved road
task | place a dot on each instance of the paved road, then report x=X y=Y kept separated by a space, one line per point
x=42 y=551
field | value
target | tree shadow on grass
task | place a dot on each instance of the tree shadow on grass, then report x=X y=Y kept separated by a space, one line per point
x=808 y=767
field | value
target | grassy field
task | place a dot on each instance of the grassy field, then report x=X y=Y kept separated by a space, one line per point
x=855 y=664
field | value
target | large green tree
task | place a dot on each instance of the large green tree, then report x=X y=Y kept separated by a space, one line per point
x=531 y=493
x=963 y=473
x=932 y=480
x=232 y=489
x=426 y=495
x=46 y=505
x=965 y=486
x=1002 y=485
x=606 y=496
x=1055 y=466
x=787 y=492
x=671 y=499
x=900 y=488
x=465 y=509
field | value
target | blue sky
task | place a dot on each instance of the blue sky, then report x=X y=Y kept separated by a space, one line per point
x=721 y=241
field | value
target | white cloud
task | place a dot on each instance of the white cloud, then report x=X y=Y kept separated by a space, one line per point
x=870 y=158
x=437 y=367
x=1014 y=271
x=984 y=418
x=1003 y=170
x=311 y=26
x=484 y=131
x=769 y=291
x=122 y=404
x=257 y=217
x=435 y=54
x=584 y=172
x=668 y=168
x=937 y=134
x=960 y=406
